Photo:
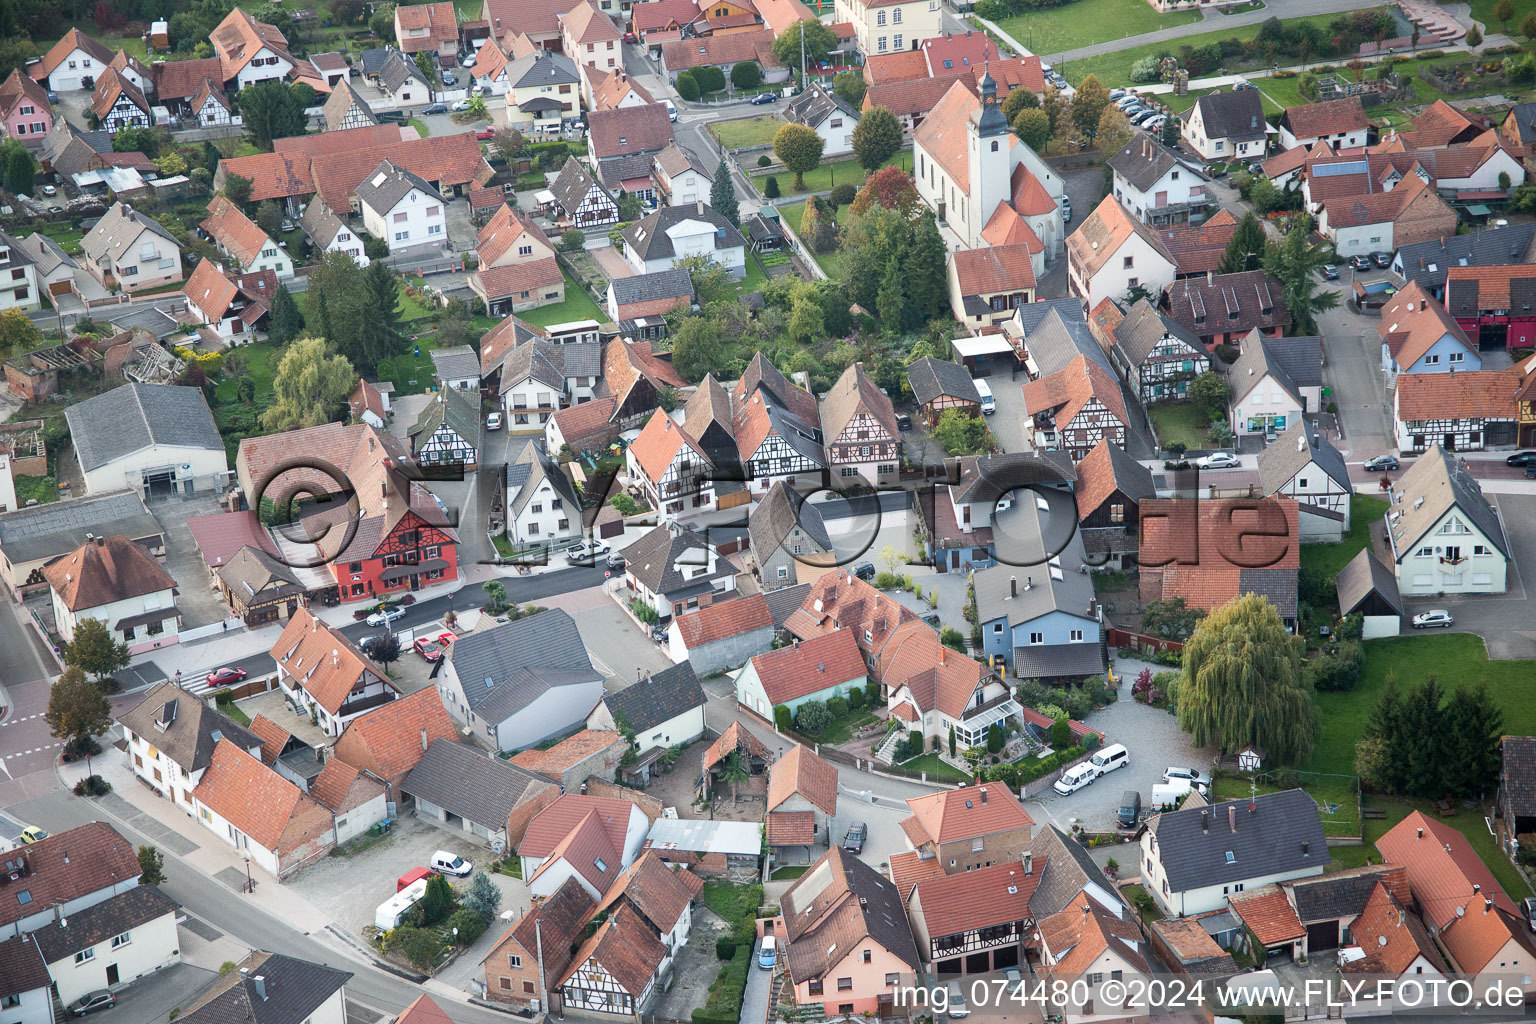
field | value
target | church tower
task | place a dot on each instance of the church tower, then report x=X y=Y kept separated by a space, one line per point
x=988 y=144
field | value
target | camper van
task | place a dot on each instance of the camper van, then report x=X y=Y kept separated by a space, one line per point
x=393 y=910
x=988 y=403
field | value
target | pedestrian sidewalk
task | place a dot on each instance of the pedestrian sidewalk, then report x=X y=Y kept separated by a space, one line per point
x=131 y=804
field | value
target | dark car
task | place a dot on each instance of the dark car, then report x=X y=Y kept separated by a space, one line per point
x=659 y=634
x=853 y=842
x=903 y=421
x=101 y=999
x=435 y=108
x=1360 y=262
x=1381 y=259
x=1381 y=463
x=1521 y=459
x=1330 y=272
x=864 y=570
x=762 y=98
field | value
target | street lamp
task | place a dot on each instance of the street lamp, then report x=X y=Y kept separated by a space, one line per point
x=250 y=883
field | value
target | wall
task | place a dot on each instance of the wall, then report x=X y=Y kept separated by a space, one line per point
x=553 y=712
x=355 y=822
x=209 y=472
x=424 y=221
x=729 y=653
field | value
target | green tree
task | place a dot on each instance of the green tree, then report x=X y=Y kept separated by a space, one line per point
x=309 y=386
x=379 y=336
x=782 y=718
x=771 y=187
x=876 y=138
x=722 y=194
x=805 y=320
x=923 y=264
x=134 y=139
x=1114 y=131
x=477 y=108
x=382 y=22
x=237 y=189
x=272 y=110
x=994 y=738
x=93 y=650
x=850 y=87
x=1245 y=249
x=819 y=41
x=746 y=75
x=77 y=709
x=951 y=741
x=1088 y=105
x=1528 y=26
x=798 y=149
x=171 y=164
x=1211 y=392
x=1474 y=725
x=18 y=334
x=1294 y=263
x=1504 y=13
x=151 y=866
x=891 y=300
x=269 y=217
x=734 y=770
x=1168 y=134
x=812 y=717
x=1017 y=100
x=1061 y=732
x=436 y=903
x=688 y=86
x=426 y=63
x=960 y=433
x=482 y=897
x=284 y=321
x=1033 y=127
x=1242 y=684
x=20 y=169
x=697 y=347
x=1171 y=619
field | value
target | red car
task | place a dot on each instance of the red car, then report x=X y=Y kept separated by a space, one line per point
x=485 y=133
x=225 y=676
x=446 y=638
x=629 y=37
x=427 y=648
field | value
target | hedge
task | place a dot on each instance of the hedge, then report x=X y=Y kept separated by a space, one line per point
x=1016 y=775
x=724 y=1006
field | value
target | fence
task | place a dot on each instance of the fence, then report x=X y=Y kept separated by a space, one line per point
x=187 y=636
x=1142 y=642
x=803 y=251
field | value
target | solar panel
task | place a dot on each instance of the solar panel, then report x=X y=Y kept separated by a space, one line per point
x=1334 y=170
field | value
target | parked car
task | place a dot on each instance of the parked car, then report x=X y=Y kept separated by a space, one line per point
x=1528 y=906
x=768 y=955
x=384 y=616
x=659 y=633
x=853 y=842
x=617 y=561
x=461 y=106
x=864 y=570
x=485 y=133
x=1432 y=618
x=1381 y=463
x=1075 y=778
x=903 y=421
x=49 y=190
x=584 y=551
x=1107 y=759
x=1381 y=259
x=1156 y=123
x=449 y=864
x=1128 y=101
x=32 y=834
x=449 y=78
x=446 y=637
x=427 y=648
x=957 y=1005
x=53 y=97
x=1143 y=117
x=630 y=37
x=225 y=676
x=100 y=999
x=1116 y=95
x=1194 y=775
x=493 y=421
x=1360 y=262
x=1130 y=809
x=1521 y=459
x=1066 y=209
x=435 y=108
x=1219 y=460
x=1330 y=272
x=762 y=98
x=671 y=110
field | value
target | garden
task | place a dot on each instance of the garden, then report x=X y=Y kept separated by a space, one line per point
x=442 y=924
x=825 y=177
x=737 y=905
x=747 y=131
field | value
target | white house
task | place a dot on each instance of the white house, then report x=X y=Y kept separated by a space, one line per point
x=27 y=990
x=1304 y=465
x=71 y=62
x=234 y=306
x=131 y=250
x=1338 y=124
x=541 y=505
x=538 y=378
x=828 y=116
x=401 y=208
x=1193 y=859
x=659 y=895
x=1112 y=252
x=21 y=286
x=682 y=178
x=152 y=438
x=257 y=812
x=118 y=103
x=357 y=801
x=676 y=570
x=1445 y=536
x=250 y=51
x=671 y=467
x=211 y=107
x=818 y=669
x=672 y=233
x=403 y=82
x=112 y=580
x=329 y=233
x=1265 y=400
x=237 y=236
x=664 y=709
x=1385 y=221
x=1156 y=186
x=112 y=944
x=1476 y=166
x=1227 y=126
x=323 y=672
x=171 y=735
x=521 y=682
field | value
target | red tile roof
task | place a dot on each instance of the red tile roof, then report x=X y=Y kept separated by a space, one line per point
x=440 y=20
x=255 y=799
x=18 y=87
x=103 y=571
x=589 y=849
x=57 y=53
x=643 y=129
x=568 y=753
x=181 y=79
x=1413 y=322
x=503 y=230
x=340 y=787
x=239 y=38
x=273 y=175
x=988 y=271
x=1476 y=395
x=1442 y=870
x=791 y=828
x=518 y=278
x=220 y=535
x=659 y=443
x=984 y=898
x=443 y=159
x=625 y=948
x=1083 y=931
x=553 y=824
x=585 y=420
x=937 y=677
x=654 y=889
x=906 y=66
x=69 y=865
x=958 y=814
x=735 y=737
x=1069 y=390
x=910 y=867
x=1269 y=914
x=840 y=599
x=801 y=771
x=1005 y=227
x=321 y=659
x=1491 y=286
x=724 y=619
x=236 y=233
x=1332 y=117
x=806 y=667
x=731 y=48
x=584 y=23
x=273 y=737
x=388 y=740
x=1391 y=937
x=920 y=97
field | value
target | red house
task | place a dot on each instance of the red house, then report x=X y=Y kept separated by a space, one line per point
x=378 y=531
x=1496 y=306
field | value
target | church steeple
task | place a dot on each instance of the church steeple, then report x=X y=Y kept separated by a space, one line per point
x=991 y=120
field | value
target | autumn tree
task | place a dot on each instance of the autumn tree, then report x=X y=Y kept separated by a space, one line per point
x=877 y=138
x=18 y=334
x=1243 y=685
x=1088 y=105
x=1033 y=126
x=309 y=386
x=1114 y=131
x=77 y=709
x=798 y=149
x=890 y=188
x=508 y=142
x=1017 y=100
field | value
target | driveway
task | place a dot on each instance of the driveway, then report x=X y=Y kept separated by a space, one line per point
x=199 y=605
x=694 y=968
x=611 y=261
x=1085 y=187
x=1009 y=424
x=1352 y=369
x=617 y=646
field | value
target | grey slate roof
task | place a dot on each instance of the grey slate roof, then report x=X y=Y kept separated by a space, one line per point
x=450 y=406
x=649 y=236
x=783 y=602
x=294 y=990
x=1237 y=115
x=935 y=378
x=1291 y=453
x=1517 y=774
x=1040 y=592
x=250 y=570
x=539 y=360
x=1363 y=575
x=1487 y=248
x=1333 y=896
x=572 y=185
x=102 y=921
x=381 y=194
x=815 y=105
x=1144 y=160
x=1279 y=586
x=778 y=512
x=541 y=68
x=986 y=478
x=118 y=229
x=189 y=738
x=662 y=284
x=1067 y=870
x=581 y=358
x=1268 y=840
x=373 y=60
x=522 y=659
x=1144 y=327
x=1056 y=340
x=1029 y=315
x=529 y=468
x=320 y=223
x=133 y=417
x=1300 y=357
x=1257 y=360
x=397 y=70
x=456 y=362
x=1440 y=481
x=653 y=560
x=42 y=531
x=469 y=783
x=658 y=698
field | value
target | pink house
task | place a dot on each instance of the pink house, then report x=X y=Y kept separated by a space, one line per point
x=1494 y=304
x=25 y=112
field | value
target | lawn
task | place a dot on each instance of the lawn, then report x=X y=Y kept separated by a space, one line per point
x=827 y=176
x=413 y=372
x=420 y=126
x=841 y=730
x=1134 y=894
x=1181 y=422
x=1328 y=559
x=748 y=131
x=1451 y=657
x=41 y=489
x=1085 y=22
x=66 y=237
x=935 y=768
x=789 y=873
x=791 y=215
x=578 y=305
x=756 y=277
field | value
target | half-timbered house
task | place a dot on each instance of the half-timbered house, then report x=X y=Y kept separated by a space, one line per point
x=211 y=107
x=1458 y=411
x=1110 y=489
x=578 y=197
x=1303 y=465
x=975 y=921
x=777 y=445
x=707 y=418
x=1156 y=354
x=636 y=377
x=1074 y=409
x=447 y=433
x=938 y=384
x=118 y=103
x=614 y=973
x=345 y=109
x=671 y=468
x=859 y=425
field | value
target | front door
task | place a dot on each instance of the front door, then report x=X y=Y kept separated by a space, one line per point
x=111 y=975
x=1448 y=442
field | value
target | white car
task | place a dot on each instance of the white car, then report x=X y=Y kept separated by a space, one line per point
x=385 y=616
x=49 y=190
x=1075 y=778
x=493 y=421
x=1199 y=779
x=1220 y=460
x=1432 y=618
x=461 y=105
x=449 y=864
x=588 y=551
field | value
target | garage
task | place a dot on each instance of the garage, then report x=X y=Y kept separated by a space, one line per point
x=1322 y=936
x=159 y=484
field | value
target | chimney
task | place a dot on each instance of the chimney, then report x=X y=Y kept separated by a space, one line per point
x=1305 y=845
x=423 y=738
x=1400 y=917
x=797 y=645
x=1029 y=863
x=1029 y=582
x=942 y=652
x=983 y=796
x=1476 y=887
x=1487 y=905
x=1205 y=820
x=245 y=972
x=260 y=981
x=1421 y=834
x=101 y=542
x=1232 y=816
x=1013 y=586
x=1210 y=277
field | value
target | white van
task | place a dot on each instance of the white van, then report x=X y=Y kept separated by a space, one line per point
x=1166 y=795
x=988 y=403
x=1075 y=778
x=957 y=1004
x=1111 y=757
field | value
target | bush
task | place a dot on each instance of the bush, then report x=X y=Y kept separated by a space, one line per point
x=837 y=706
x=93 y=785
x=1337 y=670
x=764 y=160
x=843 y=195
x=1061 y=732
x=644 y=612
x=746 y=75
x=813 y=717
x=572 y=240
x=688 y=86
x=915 y=741
x=782 y=718
x=771 y=191
x=856 y=699
x=1227 y=353
x=724 y=1006
x=725 y=947
x=421 y=947
x=1146 y=70
x=470 y=925
x=872 y=693
x=710 y=78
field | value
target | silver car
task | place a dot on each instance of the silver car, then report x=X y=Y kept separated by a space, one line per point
x=1432 y=618
x=1200 y=780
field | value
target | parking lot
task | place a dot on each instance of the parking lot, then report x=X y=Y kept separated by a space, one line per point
x=199 y=604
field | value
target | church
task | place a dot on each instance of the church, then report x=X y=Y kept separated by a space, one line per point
x=987 y=187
